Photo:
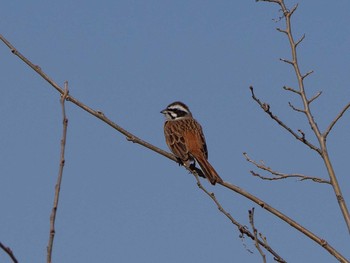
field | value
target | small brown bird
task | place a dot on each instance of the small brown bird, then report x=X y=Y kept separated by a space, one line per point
x=185 y=138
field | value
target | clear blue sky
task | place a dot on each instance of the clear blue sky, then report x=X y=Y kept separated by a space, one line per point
x=119 y=201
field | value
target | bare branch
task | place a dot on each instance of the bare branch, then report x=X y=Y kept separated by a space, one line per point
x=307 y=74
x=243 y=230
x=294 y=108
x=291 y=89
x=282 y=124
x=315 y=97
x=300 y=40
x=255 y=232
x=281 y=30
x=96 y=113
x=271 y=1
x=287 y=219
x=331 y=125
x=9 y=252
x=279 y=175
x=60 y=175
x=287 y=61
x=293 y=9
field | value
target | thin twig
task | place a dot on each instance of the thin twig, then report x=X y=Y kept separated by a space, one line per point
x=9 y=252
x=300 y=40
x=331 y=125
x=59 y=177
x=279 y=175
x=255 y=232
x=315 y=97
x=291 y=89
x=295 y=108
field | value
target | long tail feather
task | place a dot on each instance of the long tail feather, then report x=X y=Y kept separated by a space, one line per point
x=209 y=171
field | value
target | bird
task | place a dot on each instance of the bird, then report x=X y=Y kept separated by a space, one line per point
x=184 y=137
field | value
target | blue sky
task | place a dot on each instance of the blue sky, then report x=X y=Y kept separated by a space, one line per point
x=130 y=59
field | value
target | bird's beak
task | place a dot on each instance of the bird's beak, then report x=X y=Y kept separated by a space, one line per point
x=163 y=111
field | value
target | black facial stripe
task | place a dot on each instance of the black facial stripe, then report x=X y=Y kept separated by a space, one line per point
x=179 y=113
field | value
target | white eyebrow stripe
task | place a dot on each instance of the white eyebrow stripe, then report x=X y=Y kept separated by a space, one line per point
x=178 y=107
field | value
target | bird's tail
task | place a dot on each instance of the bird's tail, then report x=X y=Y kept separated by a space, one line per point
x=209 y=171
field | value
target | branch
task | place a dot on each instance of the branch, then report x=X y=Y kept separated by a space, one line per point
x=59 y=177
x=307 y=74
x=255 y=231
x=315 y=97
x=266 y=108
x=300 y=40
x=291 y=89
x=295 y=108
x=99 y=114
x=9 y=252
x=331 y=125
x=243 y=230
x=280 y=176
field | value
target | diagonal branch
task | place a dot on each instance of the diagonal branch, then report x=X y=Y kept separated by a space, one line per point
x=100 y=115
